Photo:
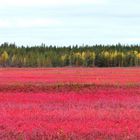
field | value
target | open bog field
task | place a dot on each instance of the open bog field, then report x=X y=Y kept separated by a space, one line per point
x=70 y=104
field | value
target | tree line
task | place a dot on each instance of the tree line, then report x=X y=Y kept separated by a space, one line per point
x=52 y=56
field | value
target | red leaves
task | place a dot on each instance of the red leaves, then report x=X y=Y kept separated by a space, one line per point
x=98 y=76
x=63 y=111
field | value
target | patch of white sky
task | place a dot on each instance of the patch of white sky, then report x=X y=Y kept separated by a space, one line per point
x=68 y=22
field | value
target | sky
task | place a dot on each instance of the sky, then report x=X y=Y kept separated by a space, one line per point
x=70 y=22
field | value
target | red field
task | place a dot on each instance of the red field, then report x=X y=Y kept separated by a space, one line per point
x=70 y=104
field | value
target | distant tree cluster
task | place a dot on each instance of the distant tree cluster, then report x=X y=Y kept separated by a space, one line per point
x=86 y=56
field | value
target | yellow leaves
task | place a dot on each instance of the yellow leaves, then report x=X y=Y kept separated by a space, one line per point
x=106 y=54
x=78 y=54
x=63 y=57
x=93 y=55
x=14 y=58
x=138 y=55
x=83 y=55
x=135 y=52
x=4 y=57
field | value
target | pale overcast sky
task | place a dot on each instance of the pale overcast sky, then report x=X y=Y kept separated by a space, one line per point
x=68 y=22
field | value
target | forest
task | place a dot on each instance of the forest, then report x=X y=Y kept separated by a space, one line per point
x=84 y=56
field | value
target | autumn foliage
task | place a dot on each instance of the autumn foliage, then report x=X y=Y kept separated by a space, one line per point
x=70 y=104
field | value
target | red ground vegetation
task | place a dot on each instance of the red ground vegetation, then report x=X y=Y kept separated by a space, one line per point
x=71 y=75
x=92 y=104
